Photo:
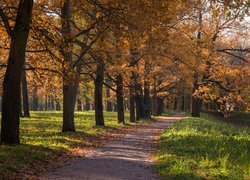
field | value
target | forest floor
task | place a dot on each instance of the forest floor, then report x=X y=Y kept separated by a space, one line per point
x=127 y=156
x=43 y=145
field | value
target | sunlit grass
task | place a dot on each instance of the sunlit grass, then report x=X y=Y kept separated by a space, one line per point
x=204 y=148
x=41 y=137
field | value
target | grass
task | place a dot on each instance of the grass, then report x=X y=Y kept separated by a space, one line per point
x=41 y=138
x=204 y=148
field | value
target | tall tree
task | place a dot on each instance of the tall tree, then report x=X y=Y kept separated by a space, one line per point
x=12 y=79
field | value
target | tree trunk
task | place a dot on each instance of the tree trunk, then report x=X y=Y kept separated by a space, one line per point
x=140 y=106
x=69 y=100
x=46 y=103
x=120 y=103
x=109 y=105
x=99 y=118
x=52 y=103
x=79 y=105
x=132 y=104
x=70 y=86
x=154 y=101
x=196 y=102
x=12 y=79
x=1 y=103
x=183 y=103
x=188 y=102
x=58 y=106
x=175 y=103
x=26 y=112
x=87 y=104
x=147 y=99
x=160 y=102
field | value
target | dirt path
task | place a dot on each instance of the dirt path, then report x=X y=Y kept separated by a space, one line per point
x=126 y=157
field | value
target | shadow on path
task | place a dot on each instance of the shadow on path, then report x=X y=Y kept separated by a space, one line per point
x=124 y=157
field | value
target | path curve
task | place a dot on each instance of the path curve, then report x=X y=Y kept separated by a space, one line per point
x=126 y=157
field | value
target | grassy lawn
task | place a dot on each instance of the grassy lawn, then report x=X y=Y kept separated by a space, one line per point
x=204 y=148
x=41 y=138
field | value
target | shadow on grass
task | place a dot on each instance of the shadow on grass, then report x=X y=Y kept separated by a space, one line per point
x=240 y=119
x=12 y=157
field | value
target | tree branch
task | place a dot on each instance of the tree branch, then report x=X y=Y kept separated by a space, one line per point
x=6 y=22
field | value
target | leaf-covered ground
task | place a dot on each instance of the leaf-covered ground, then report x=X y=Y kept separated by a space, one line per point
x=204 y=148
x=42 y=140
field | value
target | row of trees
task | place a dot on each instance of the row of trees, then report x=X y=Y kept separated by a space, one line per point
x=142 y=53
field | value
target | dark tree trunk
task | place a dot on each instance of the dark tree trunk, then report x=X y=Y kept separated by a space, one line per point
x=137 y=107
x=187 y=103
x=160 y=108
x=35 y=102
x=109 y=105
x=87 y=104
x=46 y=103
x=69 y=100
x=79 y=105
x=0 y=103
x=175 y=103
x=26 y=111
x=12 y=79
x=140 y=106
x=183 y=103
x=147 y=99
x=52 y=103
x=154 y=101
x=196 y=102
x=99 y=118
x=70 y=86
x=132 y=104
x=120 y=103
x=58 y=106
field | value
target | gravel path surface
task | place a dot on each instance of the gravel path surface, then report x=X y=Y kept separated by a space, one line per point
x=126 y=157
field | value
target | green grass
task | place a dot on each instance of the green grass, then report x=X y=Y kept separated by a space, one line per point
x=41 y=138
x=204 y=148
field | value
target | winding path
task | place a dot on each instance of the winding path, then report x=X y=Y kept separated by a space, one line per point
x=126 y=157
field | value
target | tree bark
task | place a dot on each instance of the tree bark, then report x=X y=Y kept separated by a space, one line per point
x=26 y=112
x=147 y=99
x=196 y=102
x=12 y=79
x=58 y=106
x=87 y=104
x=154 y=101
x=46 y=103
x=70 y=86
x=160 y=102
x=175 y=103
x=120 y=103
x=109 y=105
x=139 y=100
x=69 y=100
x=99 y=118
x=132 y=104
x=182 y=103
x=35 y=104
x=79 y=105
